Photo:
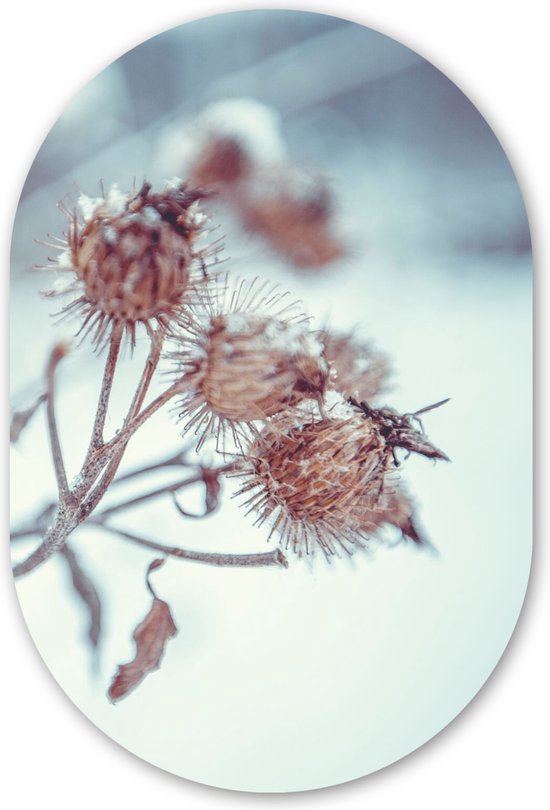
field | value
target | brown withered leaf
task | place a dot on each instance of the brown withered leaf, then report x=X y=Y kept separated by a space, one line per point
x=150 y=636
x=86 y=589
x=212 y=486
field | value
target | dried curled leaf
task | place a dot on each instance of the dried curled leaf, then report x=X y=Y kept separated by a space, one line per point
x=150 y=636
x=86 y=589
x=211 y=496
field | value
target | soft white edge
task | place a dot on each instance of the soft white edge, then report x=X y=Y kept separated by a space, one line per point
x=493 y=755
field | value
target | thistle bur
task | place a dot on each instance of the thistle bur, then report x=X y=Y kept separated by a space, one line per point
x=134 y=257
x=315 y=478
x=247 y=356
x=329 y=480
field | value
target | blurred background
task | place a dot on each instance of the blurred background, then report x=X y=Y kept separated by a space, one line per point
x=295 y=679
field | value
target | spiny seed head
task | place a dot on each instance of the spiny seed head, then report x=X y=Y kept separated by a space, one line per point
x=246 y=357
x=317 y=479
x=356 y=367
x=134 y=256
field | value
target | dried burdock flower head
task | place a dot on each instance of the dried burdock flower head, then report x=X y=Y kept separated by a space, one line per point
x=330 y=480
x=356 y=367
x=222 y=162
x=316 y=479
x=292 y=209
x=135 y=257
x=224 y=144
x=247 y=356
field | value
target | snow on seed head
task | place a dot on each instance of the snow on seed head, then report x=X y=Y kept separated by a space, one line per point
x=134 y=257
x=247 y=356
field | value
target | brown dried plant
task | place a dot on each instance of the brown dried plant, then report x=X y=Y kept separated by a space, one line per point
x=235 y=147
x=318 y=466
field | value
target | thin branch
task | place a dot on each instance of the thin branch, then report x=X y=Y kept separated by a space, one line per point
x=106 y=387
x=26 y=531
x=134 y=424
x=109 y=455
x=275 y=557
x=58 y=353
x=179 y=460
x=41 y=523
x=151 y=364
x=163 y=490
x=53 y=540
x=131 y=424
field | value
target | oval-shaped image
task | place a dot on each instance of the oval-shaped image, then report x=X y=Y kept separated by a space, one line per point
x=271 y=335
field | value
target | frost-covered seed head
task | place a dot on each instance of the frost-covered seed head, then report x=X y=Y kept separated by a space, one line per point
x=134 y=256
x=316 y=481
x=247 y=357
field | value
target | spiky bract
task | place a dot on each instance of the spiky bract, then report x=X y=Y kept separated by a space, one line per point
x=247 y=356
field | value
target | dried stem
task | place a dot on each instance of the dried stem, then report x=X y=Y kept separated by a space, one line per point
x=77 y=506
x=179 y=460
x=163 y=490
x=26 y=531
x=275 y=557
x=54 y=539
x=157 y=340
x=134 y=424
x=74 y=507
x=120 y=441
x=106 y=386
x=56 y=356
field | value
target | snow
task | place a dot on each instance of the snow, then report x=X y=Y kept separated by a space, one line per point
x=150 y=215
x=65 y=259
x=89 y=205
x=116 y=201
x=337 y=407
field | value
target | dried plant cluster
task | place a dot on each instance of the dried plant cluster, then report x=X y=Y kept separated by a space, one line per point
x=235 y=148
x=291 y=410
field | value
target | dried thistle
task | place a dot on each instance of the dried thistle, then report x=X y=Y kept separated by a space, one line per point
x=292 y=209
x=356 y=367
x=222 y=162
x=329 y=480
x=247 y=356
x=315 y=479
x=224 y=144
x=320 y=466
x=133 y=257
